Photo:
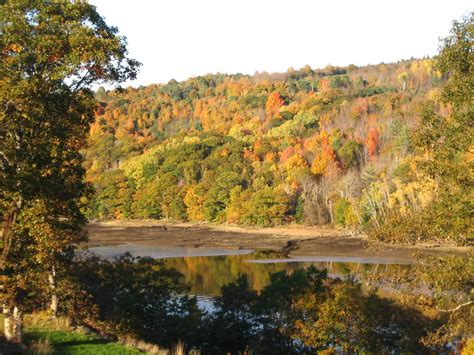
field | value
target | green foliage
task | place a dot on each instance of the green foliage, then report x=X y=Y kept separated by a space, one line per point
x=136 y=297
x=350 y=153
x=306 y=312
x=218 y=196
x=340 y=81
x=299 y=210
x=448 y=282
x=112 y=198
x=344 y=319
x=147 y=201
x=412 y=228
x=51 y=53
x=343 y=212
x=444 y=143
x=266 y=207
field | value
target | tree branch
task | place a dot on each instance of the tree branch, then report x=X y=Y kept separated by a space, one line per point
x=456 y=308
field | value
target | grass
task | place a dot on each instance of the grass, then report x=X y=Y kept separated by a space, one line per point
x=46 y=336
x=73 y=342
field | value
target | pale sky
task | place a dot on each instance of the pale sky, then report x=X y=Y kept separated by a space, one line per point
x=184 y=38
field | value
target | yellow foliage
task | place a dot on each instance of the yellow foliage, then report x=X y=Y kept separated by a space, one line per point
x=412 y=196
x=434 y=94
x=468 y=348
x=296 y=161
x=320 y=164
x=194 y=205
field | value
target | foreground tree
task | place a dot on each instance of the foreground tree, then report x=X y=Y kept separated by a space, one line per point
x=307 y=312
x=51 y=52
x=448 y=140
x=444 y=141
x=441 y=288
x=129 y=297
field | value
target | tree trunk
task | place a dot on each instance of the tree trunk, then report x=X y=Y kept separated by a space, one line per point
x=329 y=204
x=8 y=322
x=9 y=220
x=53 y=307
x=17 y=325
x=13 y=324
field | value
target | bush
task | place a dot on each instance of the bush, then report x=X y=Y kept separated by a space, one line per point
x=411 y=228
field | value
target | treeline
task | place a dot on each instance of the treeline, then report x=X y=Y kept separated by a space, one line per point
x=260 y=150
x=307 y=146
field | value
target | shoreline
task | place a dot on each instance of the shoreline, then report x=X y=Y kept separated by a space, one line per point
x=309 y=241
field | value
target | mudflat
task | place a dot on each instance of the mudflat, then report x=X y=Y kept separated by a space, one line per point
x=306 y=241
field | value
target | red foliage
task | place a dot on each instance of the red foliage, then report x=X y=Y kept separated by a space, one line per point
x=286 y=154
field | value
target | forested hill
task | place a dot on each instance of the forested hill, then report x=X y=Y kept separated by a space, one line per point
x=308 y=146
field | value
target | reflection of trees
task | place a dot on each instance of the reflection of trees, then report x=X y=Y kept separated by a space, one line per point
x=208 y=274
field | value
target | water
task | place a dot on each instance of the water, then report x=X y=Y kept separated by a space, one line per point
x=111 y=252
x=208 y=269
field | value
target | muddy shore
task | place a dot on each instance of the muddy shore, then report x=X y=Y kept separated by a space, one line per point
x=309 y=241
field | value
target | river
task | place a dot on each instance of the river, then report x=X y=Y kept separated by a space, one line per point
x=208 y=269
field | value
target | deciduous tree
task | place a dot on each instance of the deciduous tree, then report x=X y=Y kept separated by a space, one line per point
x=51 y=52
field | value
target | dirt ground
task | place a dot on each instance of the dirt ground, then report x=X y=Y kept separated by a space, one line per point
x=310 y=241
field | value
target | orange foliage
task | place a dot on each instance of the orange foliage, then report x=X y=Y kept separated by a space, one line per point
x=311 y=143
x=372 y=120
x=323 y=85
x=270 y=156
x=130 y=125
x=360 y=108
x=286 y=154
x=372 y=142
x=274 y=102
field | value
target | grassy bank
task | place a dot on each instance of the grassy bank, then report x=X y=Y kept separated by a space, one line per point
x=48 y=336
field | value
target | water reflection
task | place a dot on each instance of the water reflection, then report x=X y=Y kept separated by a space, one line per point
x=208 y=269
x=207 y=275
x=114 y=251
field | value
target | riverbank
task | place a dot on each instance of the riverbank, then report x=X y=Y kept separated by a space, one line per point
x=307 y=241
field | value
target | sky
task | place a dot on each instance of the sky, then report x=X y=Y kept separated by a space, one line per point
x=178 y=39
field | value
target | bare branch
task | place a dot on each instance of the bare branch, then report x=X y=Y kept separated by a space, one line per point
x=456 y=308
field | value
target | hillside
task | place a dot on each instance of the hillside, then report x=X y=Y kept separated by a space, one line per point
x=307 y=146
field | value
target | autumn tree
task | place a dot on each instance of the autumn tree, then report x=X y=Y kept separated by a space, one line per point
x=343 y=319
x=274 y=102
x=443 y=141
x=448 y=140
x=51 y=52
x=372 y=142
